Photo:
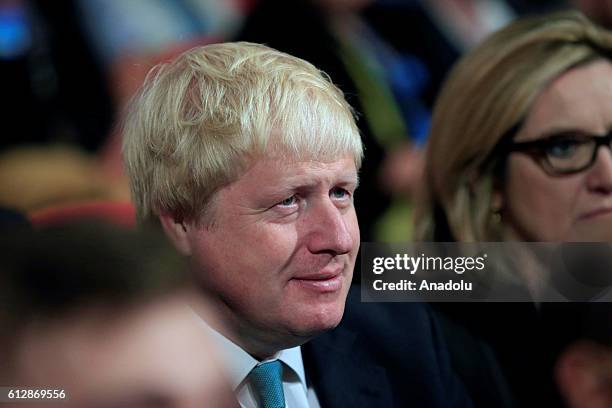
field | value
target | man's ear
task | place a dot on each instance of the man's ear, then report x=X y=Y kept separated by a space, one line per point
x=177 y=232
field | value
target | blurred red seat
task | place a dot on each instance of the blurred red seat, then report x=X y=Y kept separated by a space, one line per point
x=122 y=214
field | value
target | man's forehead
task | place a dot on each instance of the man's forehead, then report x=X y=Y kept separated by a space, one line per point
x=290 y=170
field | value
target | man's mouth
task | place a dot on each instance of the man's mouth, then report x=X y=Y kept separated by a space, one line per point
x=326 y=280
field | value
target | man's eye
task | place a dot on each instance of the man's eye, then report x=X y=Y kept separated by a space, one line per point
x=288 y=202
x=339 y=193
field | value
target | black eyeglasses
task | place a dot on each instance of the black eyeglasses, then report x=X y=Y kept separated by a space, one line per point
x=564 y=153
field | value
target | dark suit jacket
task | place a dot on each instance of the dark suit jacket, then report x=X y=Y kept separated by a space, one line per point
x=383 y=355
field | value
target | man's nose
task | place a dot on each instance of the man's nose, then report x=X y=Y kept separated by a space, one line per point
x=330 y=229
x=600 y=175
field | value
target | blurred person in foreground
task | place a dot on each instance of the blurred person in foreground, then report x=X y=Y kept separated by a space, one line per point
x=248 y=157
x=101 y=314
x=520 y=150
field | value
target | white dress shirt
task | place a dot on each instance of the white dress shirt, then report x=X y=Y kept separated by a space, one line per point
x=239 y=364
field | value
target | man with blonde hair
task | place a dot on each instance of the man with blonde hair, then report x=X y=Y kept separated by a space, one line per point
x=248 y=157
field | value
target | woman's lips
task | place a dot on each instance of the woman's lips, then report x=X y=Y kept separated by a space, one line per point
x=596 y=213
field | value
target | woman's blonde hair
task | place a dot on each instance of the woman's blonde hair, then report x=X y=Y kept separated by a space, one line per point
x=200 y=119
x=486 y=96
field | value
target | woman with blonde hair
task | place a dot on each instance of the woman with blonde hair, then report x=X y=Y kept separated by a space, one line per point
x=514 y=150
x=521 y=150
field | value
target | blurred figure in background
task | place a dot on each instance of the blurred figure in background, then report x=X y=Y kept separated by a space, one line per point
x=584 y=370
x=599 y=11
x=68 y=69
x=129 y=38
x=53 y=89
x=584 y=375
x=520 y=149
x=57 y=112
x=103 y=314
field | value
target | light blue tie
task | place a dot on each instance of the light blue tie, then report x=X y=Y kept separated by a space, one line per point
x=267 y=379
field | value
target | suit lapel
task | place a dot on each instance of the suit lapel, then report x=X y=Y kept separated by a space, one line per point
x=342 y=374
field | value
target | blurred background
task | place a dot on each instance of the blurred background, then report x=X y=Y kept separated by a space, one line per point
x=69 y=67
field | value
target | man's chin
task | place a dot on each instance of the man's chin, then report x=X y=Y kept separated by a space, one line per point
x=318 y=322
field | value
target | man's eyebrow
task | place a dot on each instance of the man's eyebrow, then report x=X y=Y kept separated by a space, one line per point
x=352 y=179
x=347 y=179
x=305 y=182
x=342 y=179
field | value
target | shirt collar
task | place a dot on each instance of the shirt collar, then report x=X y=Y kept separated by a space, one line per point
x=239 y=363
x=293 y=359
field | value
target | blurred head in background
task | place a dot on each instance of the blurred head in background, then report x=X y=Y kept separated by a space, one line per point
x=584 y=371
x=102 y=314
x=519 y=147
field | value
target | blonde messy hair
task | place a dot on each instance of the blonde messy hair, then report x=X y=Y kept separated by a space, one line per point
x=200 y=119
x=488 y=93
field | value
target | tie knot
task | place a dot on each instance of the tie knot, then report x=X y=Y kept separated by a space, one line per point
x=267 y=379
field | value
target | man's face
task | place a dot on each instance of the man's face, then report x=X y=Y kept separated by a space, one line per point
x=278 y=258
